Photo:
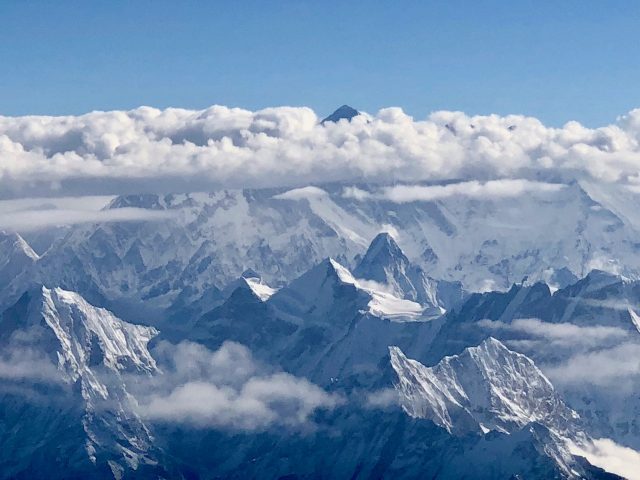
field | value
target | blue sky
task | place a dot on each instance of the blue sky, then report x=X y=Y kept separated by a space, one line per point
x=557 y=61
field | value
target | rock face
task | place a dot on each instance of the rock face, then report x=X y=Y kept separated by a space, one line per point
x=485 y=388
x=76 y=355
x=345 y=112
x=456 y=418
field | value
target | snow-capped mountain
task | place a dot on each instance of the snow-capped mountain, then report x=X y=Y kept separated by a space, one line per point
x=322 y=327
x=208 y=240
x=77 y=355
x=385 y=263
x=17 y=258
x=318 y=283
x=485 y=388
x=489 y=388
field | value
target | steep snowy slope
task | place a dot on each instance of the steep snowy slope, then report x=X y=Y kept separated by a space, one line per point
x=583 y=337
x=76 y=356
x=385 y=263
x=490 y=388
x=315 y=292
x=485 y=388
x=17 y=259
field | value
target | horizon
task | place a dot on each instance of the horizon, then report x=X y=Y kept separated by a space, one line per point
x=557 y=63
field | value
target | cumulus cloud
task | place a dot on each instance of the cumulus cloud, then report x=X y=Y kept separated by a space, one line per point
x=27 y=214
x=610 y=456
x=226 y=389
x=221 y=146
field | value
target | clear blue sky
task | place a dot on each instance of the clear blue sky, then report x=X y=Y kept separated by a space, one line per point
x=555 y=60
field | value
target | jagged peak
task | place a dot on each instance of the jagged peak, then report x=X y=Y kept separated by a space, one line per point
x=343 y=274
x=486 y=387
x=593 y=281
x=259 y=288
x=383 y=248
x=72 y=321
x=343 y=112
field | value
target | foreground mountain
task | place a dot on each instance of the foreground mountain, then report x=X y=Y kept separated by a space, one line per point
x=583 y=336
x=485 y=388
x=72 y=366
x=64 y=361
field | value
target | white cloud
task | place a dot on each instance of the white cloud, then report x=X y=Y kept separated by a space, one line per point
x=227 y=389
x=473 y=189
x=19 y=364
x=616 y=366
x=28 y=214
x=382 y=399
x=610 y=456
x=559 y=333
x=176 y=148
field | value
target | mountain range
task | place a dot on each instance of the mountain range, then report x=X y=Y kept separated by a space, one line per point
x=330 y=331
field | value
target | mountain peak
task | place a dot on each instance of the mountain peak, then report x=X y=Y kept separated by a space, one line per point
x=487 y=387
x=384 y=248
x=343 y=112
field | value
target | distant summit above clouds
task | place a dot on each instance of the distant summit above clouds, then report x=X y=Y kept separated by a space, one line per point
x=185 y=150
x=345 y=111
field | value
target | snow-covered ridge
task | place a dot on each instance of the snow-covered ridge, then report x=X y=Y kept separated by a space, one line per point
x=261 y=289
x=382 y=304
x=14 y=243
x=75 y=322
x=487 y=387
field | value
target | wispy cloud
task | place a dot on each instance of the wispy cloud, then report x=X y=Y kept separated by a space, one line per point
x=474 y=189
x=562 y=333
x=29 y=214
x=23 y=364
x=615 y=366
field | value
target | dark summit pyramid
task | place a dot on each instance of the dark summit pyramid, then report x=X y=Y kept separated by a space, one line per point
x=345 y=111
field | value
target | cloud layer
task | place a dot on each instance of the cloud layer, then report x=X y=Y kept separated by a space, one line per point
x=28 y=214
x=149 y=148
x=226 y=389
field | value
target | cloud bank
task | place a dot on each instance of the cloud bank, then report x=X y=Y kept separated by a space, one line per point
x=610 y=456
x=226 y=389
x=219 y=146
